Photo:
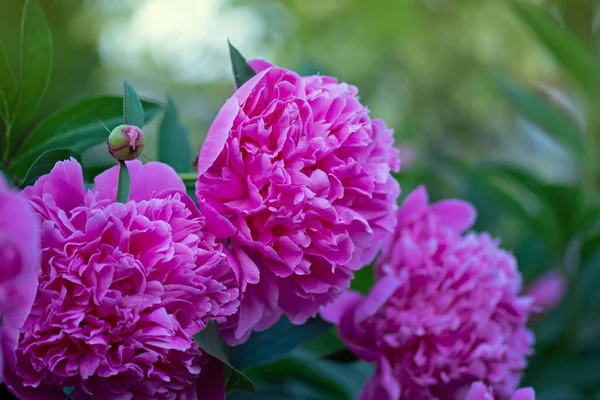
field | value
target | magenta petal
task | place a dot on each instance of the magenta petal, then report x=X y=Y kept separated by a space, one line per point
x=378 y=296
x=524 y=394
x=414 y=205
x=456 y=214
x=259 y=65
x=217 y=135
x=333 y=311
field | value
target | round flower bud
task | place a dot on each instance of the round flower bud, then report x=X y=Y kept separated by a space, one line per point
x=126 y=142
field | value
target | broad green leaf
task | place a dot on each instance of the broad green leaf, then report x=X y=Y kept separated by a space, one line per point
x=326 y=344
x=566 y=48
x=209 y=340
x=8 y=87
x=276 y=342
x=36 y=62
x=242 y=72
x=338 y=380
x=124 y=185
x=45 y=163
x=76 y=127
x=288 y=390
x=550 y=118
x=133 y=112
x=174 y=146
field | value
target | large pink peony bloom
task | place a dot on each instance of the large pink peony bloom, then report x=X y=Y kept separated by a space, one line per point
x=19 y=266
x=479 y=391
x=303 y=173
x=123 y=287
x=444 y=312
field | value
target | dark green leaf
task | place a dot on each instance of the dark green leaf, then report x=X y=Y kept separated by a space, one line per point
x=174 y=146
x=363 y=279
x=566 y=48
x=45 y=163
x=326 y=344
x=288 y=390
x=76 y=127
x=8 y=87
x=242 y=72
x=133 y=112
x=338 y=380
x=276 y=342
x=209 y=340
x=550 y=118
x=36 y=62
x=124 y=185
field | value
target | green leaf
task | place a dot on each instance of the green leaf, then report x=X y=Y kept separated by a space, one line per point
x=550 y=118
x=133 y=112
x=326 y=344
x=36 y=62
x=45 y=163
x=124 y=185
x=174 y=146
x=566 y=48
x=276 y=342
x=76 y=127
x=338 y=380
x=242 y=72
x=363 y=279
x=8 y=87
x=209 y=340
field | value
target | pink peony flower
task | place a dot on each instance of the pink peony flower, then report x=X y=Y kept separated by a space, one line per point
x=444 y=311
x=123 y=287
x=303 y=173
x=19 y=265
x=479 y=391
x=548 y=290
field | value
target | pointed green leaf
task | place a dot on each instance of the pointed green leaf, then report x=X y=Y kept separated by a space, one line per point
x=242 y=72
x=75 y=127
x=209 y=340
x=133 y=112
x=8 y=87
x=550 y=118
x=566 y=48
x=124 y=184
x=276 y=342
x=36 y=62
x=174 y=146
x=44 y=164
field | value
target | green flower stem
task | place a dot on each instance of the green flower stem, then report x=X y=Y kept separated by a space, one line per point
x=124 y=185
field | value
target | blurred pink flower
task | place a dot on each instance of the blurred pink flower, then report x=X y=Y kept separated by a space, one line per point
x=479 y=391
x=19 y=266
x=303 y=173
x=123 y=287
x=444 y=311
x=547 y=291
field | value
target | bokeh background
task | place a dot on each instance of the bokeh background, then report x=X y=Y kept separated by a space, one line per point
x=430 y=68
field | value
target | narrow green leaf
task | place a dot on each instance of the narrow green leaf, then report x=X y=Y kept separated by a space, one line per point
x=276 y=342
x=45 y=163
x=124 y=185
x=76 y=127
x=36 y=62
x=8 y=87
x=209 y=340
x=174 y=146
x=566 y=48
x=550 y=118
x=133 y=112
x=242 y=72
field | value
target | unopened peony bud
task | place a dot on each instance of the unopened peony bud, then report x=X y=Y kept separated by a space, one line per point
x=126 y=142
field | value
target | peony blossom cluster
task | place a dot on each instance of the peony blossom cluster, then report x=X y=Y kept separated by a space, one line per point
x=302 y=172
x=19 y=264
x=445 y=311
x=122 y=289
